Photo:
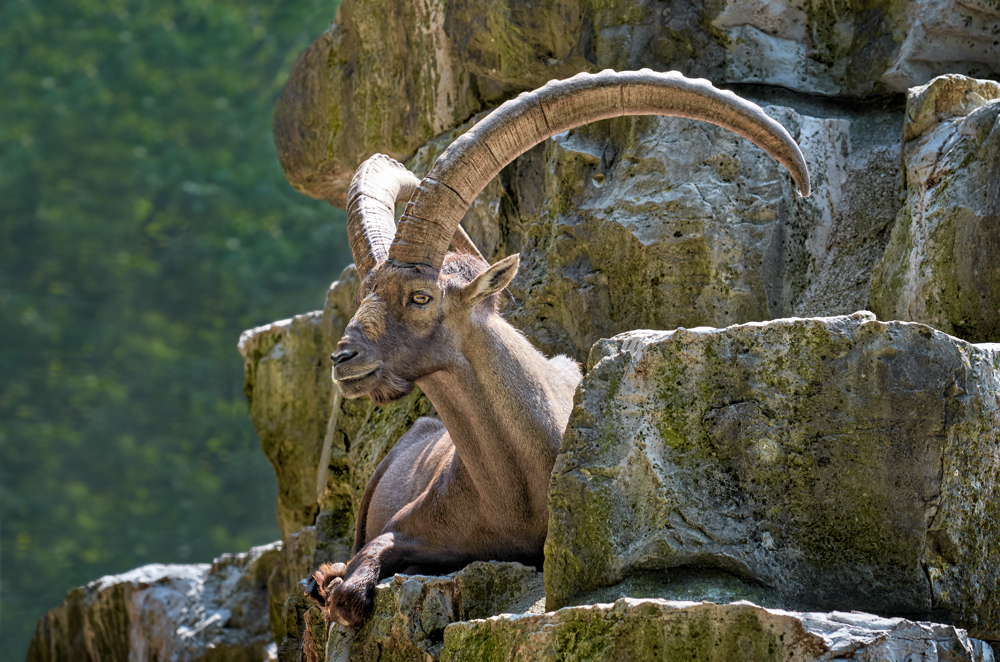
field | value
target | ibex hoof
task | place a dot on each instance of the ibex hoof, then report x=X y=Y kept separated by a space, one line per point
x=323 y=581
x=346 y=604
x=350 y=604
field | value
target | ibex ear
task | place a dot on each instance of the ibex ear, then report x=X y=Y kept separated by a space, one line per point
x=491 y=281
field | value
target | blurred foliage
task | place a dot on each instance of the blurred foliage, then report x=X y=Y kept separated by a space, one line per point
x=144 y=222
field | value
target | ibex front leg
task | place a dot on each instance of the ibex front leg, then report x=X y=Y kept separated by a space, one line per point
x=349 y=590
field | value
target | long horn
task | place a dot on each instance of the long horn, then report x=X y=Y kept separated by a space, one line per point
x=476 y=157
x=377 y=184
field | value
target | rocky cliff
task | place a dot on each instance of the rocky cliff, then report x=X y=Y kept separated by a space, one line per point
x=777 y=467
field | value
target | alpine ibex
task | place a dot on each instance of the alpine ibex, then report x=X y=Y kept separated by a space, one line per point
x=474 y=484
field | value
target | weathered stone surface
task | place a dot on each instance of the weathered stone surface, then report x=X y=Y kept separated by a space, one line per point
x=412 y=611
x=842 y=462
x=305 y=627
x=287 y=382
x=857 y=49
x=663 y=222
x=387 y=76
x=295 y=563
x=182 y=613
x=862 y=216
x=946 y=38
x=942 y=264
x=651 y=630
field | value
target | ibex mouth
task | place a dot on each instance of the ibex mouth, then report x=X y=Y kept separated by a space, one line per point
x=353 y=373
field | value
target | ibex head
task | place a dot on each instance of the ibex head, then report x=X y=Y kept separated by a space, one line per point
x=405 y=325
x=414 y=294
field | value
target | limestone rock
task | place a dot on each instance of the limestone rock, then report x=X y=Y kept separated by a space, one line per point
x=946 y=38
x=305 y=627
x=288 y=386
x=942 y=264
x=387 y=77
x=841 y=462
x=181 y=613
x=412 y=611
x=857 y=50
x=641 y=630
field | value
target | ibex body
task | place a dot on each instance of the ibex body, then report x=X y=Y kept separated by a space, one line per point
x=474 y=484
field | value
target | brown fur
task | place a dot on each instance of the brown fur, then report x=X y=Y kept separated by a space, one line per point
x=474 y=484
x=371 y=316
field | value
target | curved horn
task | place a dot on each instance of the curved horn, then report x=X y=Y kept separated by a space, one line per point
x=476 y=157
x=377 y=184
x=370 y=221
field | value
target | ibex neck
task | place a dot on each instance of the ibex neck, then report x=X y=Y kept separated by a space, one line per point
x=505 y=408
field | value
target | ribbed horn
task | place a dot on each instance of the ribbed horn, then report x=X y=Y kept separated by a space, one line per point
x=370 y=220
x=377 y=184
x=467 y=166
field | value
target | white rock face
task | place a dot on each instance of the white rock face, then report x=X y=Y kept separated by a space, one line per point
x=946 y=37
x=942 y=263
x=176 y=613
x=832 y=48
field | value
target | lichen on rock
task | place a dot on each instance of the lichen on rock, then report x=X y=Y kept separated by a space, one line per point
x=796 y=454
x=412 y=611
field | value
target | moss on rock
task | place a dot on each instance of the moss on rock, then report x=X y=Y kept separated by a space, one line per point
x=635 y=630
x=795 y=454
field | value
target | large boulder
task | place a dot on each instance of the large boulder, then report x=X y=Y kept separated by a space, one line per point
x=841 y=463
x=389 y=76
x=287 y=384
x=654 y=630
x=185 y=613
x=942 y=264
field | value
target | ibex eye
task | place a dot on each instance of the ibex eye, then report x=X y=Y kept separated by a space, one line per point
x=420 y=299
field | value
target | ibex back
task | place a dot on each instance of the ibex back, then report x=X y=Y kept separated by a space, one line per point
x=474 y=484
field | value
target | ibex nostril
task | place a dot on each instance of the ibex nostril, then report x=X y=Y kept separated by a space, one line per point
x=342 y=355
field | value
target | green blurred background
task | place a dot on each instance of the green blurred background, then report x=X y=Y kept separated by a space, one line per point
x=144 y=222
